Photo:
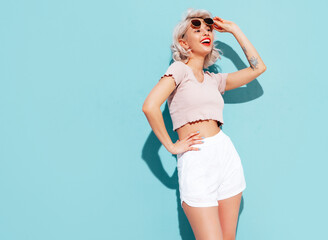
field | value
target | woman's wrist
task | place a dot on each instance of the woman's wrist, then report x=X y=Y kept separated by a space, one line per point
x=171 y=148
x=235 y=29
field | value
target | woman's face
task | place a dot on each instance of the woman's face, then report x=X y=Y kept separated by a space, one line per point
x=194 y=39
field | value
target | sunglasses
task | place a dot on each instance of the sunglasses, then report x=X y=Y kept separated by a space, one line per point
x=196 y=23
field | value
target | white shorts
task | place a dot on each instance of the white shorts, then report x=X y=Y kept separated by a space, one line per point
x=213 y=173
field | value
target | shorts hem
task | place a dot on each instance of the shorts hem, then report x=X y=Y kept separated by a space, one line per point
x=231 y=194
x=194 y=204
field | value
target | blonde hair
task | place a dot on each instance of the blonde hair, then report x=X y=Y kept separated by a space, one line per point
x=178 y=52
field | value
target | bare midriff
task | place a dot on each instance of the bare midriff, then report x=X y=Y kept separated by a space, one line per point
x=206 y=128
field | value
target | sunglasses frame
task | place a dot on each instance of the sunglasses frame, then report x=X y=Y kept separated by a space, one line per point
x=208 y=21
x=197 y=27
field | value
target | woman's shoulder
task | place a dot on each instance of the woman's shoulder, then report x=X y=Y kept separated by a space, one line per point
x=177 y=70
x=177 y=67
x=178 y=64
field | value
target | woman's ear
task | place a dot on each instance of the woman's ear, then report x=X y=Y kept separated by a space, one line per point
x=184 y=44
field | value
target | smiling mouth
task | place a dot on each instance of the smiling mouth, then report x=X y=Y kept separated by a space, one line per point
x=206 y=41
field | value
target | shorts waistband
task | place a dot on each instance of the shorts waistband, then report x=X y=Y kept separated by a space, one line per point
x=214 y=138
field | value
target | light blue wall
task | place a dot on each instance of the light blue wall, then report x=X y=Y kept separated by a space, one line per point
x=78 y=159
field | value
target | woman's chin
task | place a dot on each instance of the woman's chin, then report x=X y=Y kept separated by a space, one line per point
x=207 y=51
x=203 y=51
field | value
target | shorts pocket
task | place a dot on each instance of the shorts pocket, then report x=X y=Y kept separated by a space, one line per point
x=180 y=167
x=235 y=158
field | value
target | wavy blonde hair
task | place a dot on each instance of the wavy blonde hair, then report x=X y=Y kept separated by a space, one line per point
x=178 y=52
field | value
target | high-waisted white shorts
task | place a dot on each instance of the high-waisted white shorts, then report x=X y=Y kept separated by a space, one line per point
x=213 y=173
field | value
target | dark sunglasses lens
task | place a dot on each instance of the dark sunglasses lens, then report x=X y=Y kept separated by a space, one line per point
x=196 y=22
x=208 y=21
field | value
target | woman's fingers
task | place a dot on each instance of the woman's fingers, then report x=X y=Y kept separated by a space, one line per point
x=194 y=140
x=220 y=24
x=193 y=149
x=193 y=134
x=218 y=18
x=217 y=25
x=219 y=29
x=191 y=139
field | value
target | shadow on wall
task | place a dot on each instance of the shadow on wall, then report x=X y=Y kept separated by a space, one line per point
x=150 y=152
x=242 y=94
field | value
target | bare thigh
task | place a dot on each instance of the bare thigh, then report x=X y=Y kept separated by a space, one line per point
x=204 y=221
x=228 y=213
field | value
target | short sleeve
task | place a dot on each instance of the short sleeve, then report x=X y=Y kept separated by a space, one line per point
x=177 y=71
x=221 y=79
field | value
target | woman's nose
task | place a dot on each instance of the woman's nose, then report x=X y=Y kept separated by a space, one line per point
x=205 y=32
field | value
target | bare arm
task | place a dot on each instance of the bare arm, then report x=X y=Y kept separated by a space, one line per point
x=156 y=121
x=252 y=55
x=151 y=109
x=257 y=66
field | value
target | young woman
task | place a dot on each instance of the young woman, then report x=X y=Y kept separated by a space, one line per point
x=210 y=173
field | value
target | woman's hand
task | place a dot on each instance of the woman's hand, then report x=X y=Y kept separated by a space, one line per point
x=186 y=143
x=222 y=25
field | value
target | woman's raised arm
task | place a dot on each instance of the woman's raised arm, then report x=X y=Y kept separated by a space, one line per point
x=257 y=66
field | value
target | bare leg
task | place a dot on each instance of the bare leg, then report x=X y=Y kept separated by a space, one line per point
x=228 y=213
x=204 y=222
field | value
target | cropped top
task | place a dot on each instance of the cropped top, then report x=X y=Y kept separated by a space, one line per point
x=192 y=100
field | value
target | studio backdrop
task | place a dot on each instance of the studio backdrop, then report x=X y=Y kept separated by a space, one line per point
x=78 y=158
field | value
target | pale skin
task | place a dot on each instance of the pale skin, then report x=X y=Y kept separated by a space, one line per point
x=218 y=222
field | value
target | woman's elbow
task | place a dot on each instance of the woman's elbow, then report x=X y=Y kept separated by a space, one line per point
x=146 y=107
x=263 y=68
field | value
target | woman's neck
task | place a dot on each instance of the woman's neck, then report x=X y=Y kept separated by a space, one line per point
x=196 y=63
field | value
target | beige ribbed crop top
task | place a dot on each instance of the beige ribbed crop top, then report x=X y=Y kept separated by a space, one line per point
x=192 y=100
